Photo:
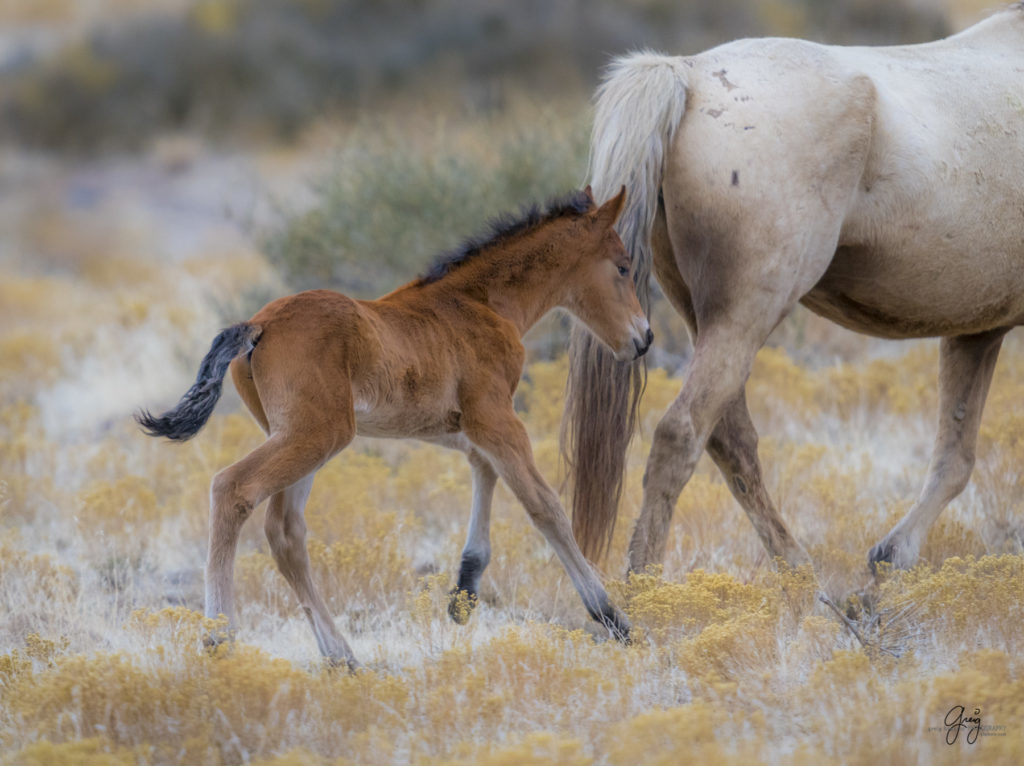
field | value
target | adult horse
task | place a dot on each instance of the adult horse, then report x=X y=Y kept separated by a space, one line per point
x=439 y=360
x=883 y=188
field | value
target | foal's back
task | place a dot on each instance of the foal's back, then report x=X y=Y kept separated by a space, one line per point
x=408 y=357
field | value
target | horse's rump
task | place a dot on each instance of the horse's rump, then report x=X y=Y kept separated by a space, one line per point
x=883 y=187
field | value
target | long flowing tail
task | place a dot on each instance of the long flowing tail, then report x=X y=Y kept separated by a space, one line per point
x=638 y=107
x=195 y=407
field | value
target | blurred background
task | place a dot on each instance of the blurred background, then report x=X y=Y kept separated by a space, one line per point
x=287 y=144
x=168 y=166
x=336 y=143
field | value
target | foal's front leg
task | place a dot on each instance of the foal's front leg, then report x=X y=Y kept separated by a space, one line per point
x=476 y=554
x=499 y=433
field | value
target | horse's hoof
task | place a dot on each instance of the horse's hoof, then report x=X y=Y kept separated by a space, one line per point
x=217 y=638
x=892 y=553
x=881 y=554
x=461 y=604
x=618 y=626
x=349 y=664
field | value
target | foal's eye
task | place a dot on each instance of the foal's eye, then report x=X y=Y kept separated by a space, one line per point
x=623 y=271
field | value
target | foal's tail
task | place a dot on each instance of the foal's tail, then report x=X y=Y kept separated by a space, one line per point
x=638 y=107
x=191 y=413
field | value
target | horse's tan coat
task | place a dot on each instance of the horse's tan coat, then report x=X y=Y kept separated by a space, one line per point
x=881 y=187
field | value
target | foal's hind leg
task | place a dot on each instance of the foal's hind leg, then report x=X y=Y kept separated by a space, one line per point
x=476 y=554
x=733 y=447
x=272 y=467
x=966 y=364
x=286 y=532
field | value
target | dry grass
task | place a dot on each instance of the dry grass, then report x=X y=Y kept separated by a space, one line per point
x=102 y=536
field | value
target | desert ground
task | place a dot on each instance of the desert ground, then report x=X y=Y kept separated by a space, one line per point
x=121 y=259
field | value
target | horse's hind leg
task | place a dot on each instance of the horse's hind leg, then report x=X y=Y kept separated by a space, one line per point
x=720 y=366
x=741 y=295
x=286 y=532
x=733 y=447
x=966 y=364
x=733 y=442
x=277 y=464
x=476 y=554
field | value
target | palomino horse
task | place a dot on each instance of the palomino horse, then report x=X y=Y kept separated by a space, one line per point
x=438 y=359
x=883 y=188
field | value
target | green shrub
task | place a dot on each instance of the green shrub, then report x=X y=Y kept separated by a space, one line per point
x=390 y=201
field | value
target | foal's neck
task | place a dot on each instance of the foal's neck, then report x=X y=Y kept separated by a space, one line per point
x=521 y=280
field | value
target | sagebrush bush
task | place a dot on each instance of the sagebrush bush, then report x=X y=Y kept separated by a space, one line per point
x=388 y=203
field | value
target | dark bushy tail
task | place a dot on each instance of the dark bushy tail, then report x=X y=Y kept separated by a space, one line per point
x=639 y=105
x=191 y=413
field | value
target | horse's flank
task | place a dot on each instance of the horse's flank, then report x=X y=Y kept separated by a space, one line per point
x=881 y=187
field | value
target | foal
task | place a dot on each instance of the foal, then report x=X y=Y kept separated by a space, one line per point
x=439 y=360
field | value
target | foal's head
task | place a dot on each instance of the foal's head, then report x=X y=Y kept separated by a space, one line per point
x=600 y=290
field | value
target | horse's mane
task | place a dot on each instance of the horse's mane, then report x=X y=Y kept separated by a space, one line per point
x=505 y=227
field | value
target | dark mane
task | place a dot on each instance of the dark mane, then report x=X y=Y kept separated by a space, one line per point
x=505 y=227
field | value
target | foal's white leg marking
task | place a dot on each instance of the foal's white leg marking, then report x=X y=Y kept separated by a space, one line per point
x=478 y=536
x=508 y=446
x=476 y=554
x=966 y=365
x=285 y=526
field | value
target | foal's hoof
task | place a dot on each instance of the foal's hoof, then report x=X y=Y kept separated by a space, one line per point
x=461 y=604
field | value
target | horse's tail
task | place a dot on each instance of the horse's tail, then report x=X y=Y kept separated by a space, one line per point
x=638 y=107
x=195 y=407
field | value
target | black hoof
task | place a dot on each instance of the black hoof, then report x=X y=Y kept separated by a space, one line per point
x=461 y=604
x=349 y=665
x=617 y=625
x=882 y=555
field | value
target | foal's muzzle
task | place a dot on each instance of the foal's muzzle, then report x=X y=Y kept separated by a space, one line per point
x=642 y=346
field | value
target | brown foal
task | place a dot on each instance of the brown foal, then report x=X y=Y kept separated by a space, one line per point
x=439 y=360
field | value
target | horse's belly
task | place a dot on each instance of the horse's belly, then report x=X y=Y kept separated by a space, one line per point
x=401 y=423
x=898 y=295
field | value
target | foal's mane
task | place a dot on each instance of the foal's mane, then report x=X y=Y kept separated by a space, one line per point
x=505 y=227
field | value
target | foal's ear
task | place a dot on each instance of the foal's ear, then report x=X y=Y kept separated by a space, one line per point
x=590 y=195
x=609 y=212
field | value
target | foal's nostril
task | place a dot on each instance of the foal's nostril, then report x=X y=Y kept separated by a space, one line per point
x=650 y=336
